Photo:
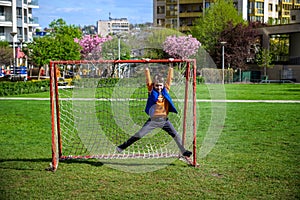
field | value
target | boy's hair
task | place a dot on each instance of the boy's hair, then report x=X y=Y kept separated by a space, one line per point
x=158 y=78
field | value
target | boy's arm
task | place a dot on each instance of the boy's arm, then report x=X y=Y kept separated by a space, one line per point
x=148 y=79
x=169 y=79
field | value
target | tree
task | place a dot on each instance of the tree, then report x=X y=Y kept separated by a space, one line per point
x=264 y=59
x=110 y=49
x=91 y=46
x=279 y=47
x=181 y=46
x=59 y=45
x=240 y=45
x=208 y=29
x=152 y=42
x=6 y=54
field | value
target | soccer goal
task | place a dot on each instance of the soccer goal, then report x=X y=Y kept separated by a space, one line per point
x=97 y=105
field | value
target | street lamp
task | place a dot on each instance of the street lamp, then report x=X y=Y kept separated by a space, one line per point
x=119 y=47
x=14 y=50
x=223 y=44
x=21 y=42
x=119 y=53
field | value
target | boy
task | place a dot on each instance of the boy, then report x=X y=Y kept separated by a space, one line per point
x=158 y=106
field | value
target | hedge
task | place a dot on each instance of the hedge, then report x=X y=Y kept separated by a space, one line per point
x=8 y=88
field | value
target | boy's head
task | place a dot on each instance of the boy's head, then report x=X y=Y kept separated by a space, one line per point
x=158 y=82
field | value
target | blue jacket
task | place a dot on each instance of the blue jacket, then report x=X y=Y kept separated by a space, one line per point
x=152 y=99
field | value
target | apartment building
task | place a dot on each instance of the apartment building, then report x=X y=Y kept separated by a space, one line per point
x=17 y=20
x=177 y=14
x=112 y=26
x=180 y=14
x=295 y=16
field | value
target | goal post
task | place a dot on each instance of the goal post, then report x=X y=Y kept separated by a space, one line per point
x=98 y=104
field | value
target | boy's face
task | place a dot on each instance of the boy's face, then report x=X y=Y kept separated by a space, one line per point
x=158 y=86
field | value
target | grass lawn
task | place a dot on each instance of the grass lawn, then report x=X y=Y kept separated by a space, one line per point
x=234 y=91
x=256 y=157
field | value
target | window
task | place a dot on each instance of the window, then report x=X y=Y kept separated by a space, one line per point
x=293 y=17
x=260 y=7
x=1 y=11
x=270 y=7
x=2 y=33
x=19 y=12
x=251 y=8
x=160 y=9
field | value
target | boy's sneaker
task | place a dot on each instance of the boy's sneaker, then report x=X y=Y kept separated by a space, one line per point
x=119 y=150
x=187 y=153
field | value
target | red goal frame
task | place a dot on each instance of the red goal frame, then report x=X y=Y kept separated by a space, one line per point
x=57 y=146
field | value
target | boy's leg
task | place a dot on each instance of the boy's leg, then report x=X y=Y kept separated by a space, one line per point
x=147 y=127
x=129 y=142
x=169 y=128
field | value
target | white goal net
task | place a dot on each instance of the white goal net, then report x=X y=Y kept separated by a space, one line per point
x=97 y=105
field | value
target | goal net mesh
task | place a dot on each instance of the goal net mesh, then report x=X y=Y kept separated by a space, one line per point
x=104 y=105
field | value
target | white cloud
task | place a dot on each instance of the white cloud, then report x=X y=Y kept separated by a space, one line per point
x=68 y=10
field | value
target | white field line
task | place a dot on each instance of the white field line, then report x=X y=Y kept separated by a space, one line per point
x=120 y=99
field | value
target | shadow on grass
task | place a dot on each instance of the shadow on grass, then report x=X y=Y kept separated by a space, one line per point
x=25 y=160
x=23 y=163
x=121 y=162
x=91 y=162
x=27 y=163
x=40 y=164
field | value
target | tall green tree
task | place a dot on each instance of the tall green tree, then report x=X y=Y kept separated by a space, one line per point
x=208 y=28
x=58 y=45
x=264 y=59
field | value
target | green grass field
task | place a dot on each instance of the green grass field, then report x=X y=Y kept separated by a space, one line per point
x=256 y=157
x=240 y=91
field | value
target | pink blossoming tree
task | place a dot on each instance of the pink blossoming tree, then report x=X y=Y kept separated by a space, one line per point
x=91 y=46
x=181 y=47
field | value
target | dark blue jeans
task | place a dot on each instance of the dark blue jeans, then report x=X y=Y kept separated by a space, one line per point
x=150 y=125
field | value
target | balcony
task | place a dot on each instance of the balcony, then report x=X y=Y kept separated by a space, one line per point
x=5 y=17
x=33 y=4
x=5 y=2
x=171 y=14
x=286 y=13
x=171 y=1
x=189 y=2
x=287 y=1
x=190 y=14
x=258 y=12
x=34 y=21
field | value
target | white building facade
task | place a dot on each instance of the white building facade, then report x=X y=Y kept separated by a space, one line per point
x=112 y=26
x=16 y=18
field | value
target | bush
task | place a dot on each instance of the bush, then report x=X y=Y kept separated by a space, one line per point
x=200 y=79
x=8 y=88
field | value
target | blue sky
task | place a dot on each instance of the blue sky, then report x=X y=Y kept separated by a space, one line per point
x=87 y=12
